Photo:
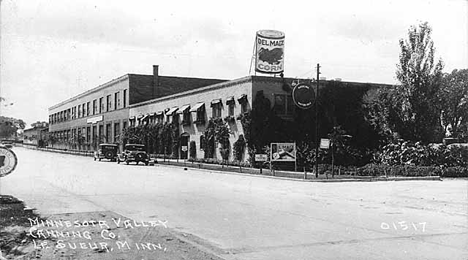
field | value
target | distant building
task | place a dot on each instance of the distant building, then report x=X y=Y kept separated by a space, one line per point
x=99 y=115
x=36 y=135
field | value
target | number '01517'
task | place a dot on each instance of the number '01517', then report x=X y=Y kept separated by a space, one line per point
x=403 y=225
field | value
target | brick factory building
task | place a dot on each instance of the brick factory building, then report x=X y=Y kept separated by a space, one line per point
x=99 y=115
x=192 y=109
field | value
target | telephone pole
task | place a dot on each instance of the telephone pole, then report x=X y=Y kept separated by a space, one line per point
x=317 y=122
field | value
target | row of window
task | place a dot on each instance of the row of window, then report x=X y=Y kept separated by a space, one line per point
x=84 y=110
x=104 y=133
x=186 y=111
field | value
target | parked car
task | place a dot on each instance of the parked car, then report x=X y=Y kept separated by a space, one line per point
x=133 y=153
x=107 y=151
x=7 y=144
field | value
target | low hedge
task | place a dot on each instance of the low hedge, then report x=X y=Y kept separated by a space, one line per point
x=411 y=170
x=216 y=161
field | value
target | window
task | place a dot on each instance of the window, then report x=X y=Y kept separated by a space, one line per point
x=244 y=108
x=244 y=103
x=108 y=132
x=79 y=133
x=175 y=118
x=83 y=112
x=201 y=115
x=216 y=108
x=94 y=107
x=202 y=142
x=100 y=133
x=101 y=106
x=109 y=103
x=284 y=105
x=200 y=110
x=94 y=135
x=231 y=109
x=125 y=98
x=124 y=126
x=79 y=111
x=159 y=117
x=88 y=134
x=87 y=109
x=185 y=111
x=116 y=132
x=116 y=100
x=186 y=118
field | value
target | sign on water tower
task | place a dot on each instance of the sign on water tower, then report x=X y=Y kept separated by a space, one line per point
x=269 y=54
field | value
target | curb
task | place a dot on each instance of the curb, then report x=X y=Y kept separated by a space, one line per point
x=71 y=152
x=362 y=179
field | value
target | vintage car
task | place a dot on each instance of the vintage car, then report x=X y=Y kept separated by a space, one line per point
x=133 y=153
x=107 y=151
x=7 y=144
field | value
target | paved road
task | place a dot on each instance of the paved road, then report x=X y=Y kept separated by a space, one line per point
x=245 y=217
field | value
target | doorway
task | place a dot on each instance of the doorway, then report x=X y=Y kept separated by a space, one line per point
x=184 y=140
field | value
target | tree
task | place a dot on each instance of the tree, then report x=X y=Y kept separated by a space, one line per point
x=415 y=101
x=9 y=126
x=454 y=96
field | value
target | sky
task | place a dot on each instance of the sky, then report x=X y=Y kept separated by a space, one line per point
x=52 y=50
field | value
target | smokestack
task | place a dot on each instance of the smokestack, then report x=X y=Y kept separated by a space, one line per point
x=156 y=81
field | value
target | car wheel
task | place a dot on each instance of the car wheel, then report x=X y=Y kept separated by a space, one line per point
x=118 y=161
x=146 y=163
x=99 y=159
x=127 y=162
x=95 y=158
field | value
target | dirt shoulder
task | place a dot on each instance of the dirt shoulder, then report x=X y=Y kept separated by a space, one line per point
x=90 y=235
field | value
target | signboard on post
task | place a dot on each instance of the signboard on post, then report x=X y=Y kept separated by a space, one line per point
x=269 y=52
x=283 y=152
x=324 y=143
x=184 y=148
x=261 y=157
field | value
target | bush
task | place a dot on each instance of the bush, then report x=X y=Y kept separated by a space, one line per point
x=454 y=172
x=398 y=170
x=193 y=149
x=239 y=148
x=404 y=153
x=371 y=170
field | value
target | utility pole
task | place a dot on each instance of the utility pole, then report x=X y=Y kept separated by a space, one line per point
x=317 y=122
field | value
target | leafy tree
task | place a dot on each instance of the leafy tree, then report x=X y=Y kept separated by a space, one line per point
x=411 y=110
x=217 y=131
x=415 y=103
x=454 y=96
x=9 y=126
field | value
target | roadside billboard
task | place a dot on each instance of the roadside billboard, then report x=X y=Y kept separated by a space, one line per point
x=269 y=54
x=283 y=152
x=324 y=143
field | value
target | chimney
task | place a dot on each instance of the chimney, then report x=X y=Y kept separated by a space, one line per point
x=156 y=81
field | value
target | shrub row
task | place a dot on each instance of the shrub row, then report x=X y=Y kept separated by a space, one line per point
x=411 y=170
x=216 y=161
x=405 y=152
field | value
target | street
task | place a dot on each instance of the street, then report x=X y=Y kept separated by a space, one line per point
x=246 y=217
